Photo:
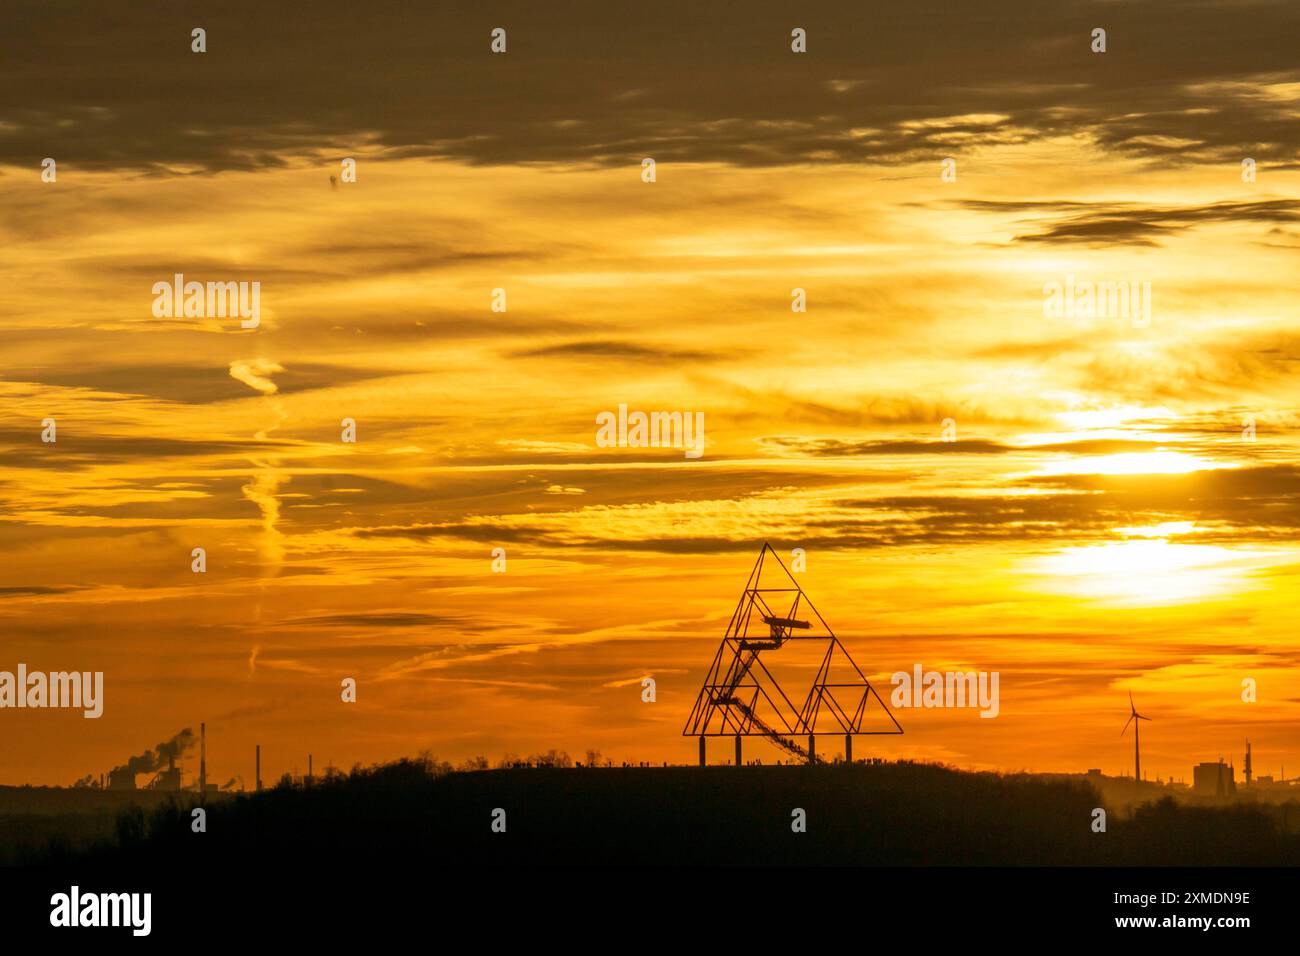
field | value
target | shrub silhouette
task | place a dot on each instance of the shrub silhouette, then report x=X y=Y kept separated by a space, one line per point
x=883 y=814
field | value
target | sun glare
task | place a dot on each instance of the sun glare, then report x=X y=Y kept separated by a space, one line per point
x=1147 y=572
x=1133 y=463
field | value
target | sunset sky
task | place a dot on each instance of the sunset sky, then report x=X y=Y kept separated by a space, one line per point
x=1102 y=522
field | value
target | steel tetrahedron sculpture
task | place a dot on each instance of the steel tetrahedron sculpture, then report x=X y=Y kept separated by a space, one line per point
x=742 y=698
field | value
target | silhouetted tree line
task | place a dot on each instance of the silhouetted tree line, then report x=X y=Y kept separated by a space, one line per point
x=886 y=814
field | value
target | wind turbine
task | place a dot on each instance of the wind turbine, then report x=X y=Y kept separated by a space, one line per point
x=1133 y=719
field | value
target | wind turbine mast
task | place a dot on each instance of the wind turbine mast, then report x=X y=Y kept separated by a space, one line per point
x=1133 y=719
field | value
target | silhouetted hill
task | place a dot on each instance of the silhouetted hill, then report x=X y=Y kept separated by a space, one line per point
x=35 y=821
x=890 y=814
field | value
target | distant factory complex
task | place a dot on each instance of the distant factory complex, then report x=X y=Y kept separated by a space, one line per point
x=1217 y=779
x=158 y=769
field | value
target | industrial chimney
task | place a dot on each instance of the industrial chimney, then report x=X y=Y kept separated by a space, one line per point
x=203 y=759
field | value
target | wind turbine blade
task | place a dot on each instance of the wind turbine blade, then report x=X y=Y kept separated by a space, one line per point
x=1126 y=723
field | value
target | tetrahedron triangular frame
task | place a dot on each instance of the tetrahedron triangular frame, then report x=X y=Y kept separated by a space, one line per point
x=741 y=697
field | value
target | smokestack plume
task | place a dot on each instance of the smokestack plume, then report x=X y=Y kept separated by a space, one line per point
x=154 y=760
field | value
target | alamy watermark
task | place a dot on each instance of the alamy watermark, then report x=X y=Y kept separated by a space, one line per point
x=1108 y=299
x=654 y=430
x=221 y=300
x=78 y=690
x=74 y=908
x=922 y=688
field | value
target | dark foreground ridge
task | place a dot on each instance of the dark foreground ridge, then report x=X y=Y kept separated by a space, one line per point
x=900 y=814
